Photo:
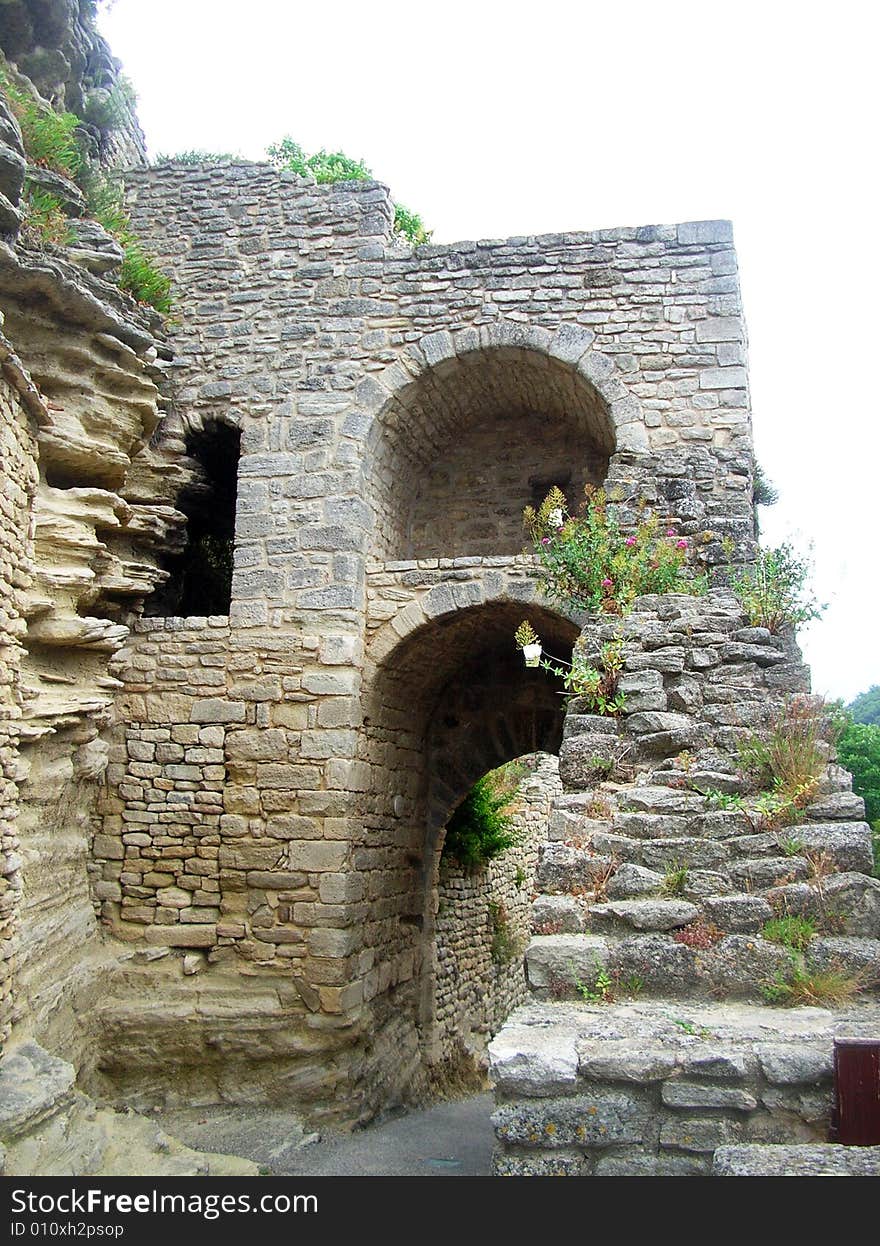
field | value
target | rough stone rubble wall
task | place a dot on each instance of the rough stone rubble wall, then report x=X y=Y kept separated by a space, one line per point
x=16 y=561
x=478 y=980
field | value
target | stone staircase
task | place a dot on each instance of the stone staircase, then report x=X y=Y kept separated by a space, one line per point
x=669 y=895
x=645 y=1042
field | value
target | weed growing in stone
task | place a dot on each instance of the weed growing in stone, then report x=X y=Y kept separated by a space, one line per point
x=675 y=878
x=806 y=984
x=791 y=847
x=774 y=591
x=793 y=932
x=600 y=991
x=594 y=682
x=45 y=223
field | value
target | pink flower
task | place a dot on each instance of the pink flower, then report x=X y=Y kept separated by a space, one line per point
x=670 y=532
x=630 y=540
x=606 y=583
x=681 y=544
x=545 y=540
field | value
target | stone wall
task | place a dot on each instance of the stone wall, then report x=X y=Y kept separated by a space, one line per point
x=16 y=562
x=483 y=924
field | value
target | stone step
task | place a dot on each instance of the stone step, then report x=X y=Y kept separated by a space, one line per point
x=564 y=868
x=557 y=914
x=839 y=806
x=762 y=873
x=743 y=966
x=654 y=914
x=661 y=854
x=850 y=901
x=660 y=800
x=738 y=913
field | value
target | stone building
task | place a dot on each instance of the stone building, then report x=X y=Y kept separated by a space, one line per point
x=223 y=812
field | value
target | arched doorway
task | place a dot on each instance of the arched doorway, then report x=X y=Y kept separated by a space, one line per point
x=450 y=702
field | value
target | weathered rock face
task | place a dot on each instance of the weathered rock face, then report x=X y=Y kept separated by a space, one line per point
x=55 y=43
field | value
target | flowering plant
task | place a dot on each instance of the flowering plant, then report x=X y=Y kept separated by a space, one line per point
x=589 y=563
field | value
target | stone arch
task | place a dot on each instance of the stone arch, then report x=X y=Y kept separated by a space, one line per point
x=466 y=428
x=452 y=700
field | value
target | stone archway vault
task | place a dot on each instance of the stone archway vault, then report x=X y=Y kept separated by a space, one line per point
x=451 y=701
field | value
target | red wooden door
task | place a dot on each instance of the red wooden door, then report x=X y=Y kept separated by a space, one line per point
x=856 y=1116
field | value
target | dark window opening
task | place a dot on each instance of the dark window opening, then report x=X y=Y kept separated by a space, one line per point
x=200 y=579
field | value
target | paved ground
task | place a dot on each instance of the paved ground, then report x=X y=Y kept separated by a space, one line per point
x=449 y=1139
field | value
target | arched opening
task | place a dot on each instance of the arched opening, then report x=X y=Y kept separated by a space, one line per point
x=460 y=451
x=484 y=911
x=452 y=701
x=200 y=577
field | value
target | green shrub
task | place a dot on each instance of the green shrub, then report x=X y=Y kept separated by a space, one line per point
x=858 y=749
x=45 y=222
x=49 y=137
x=866 y=706
x=139 y=275
x=588 y=563
x=197 y=156
x=774 y=592
x=789 y=760
x=808 y=985
x=480 y=829
x=335 y=166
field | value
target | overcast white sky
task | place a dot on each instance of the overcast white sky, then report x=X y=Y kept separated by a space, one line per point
x=493 y=119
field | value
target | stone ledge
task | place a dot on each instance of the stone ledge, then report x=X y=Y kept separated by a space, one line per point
x=821 y=1160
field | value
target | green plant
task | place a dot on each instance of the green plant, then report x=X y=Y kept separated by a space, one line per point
x=790 y=758
x=692 y=1030
x=865 y=708
x=601 y=990
x=675 y=878
x=45 y=222
x=480 y=828
x=774 y=592
x=139 y=275
x=520 y=877
x=143 y=280
x=589 y=563
x=764 y=492
x=716 y=799
x=806 y=984
x=335 y=166
x=631 y=984
x=858 y=749
x=197 y=156
x=793 y=932
x=109 y=109
x=50 y=138
x=791 y=847
x=597 y=685
x=410 y=225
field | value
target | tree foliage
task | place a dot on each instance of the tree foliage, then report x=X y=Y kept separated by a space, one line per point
x=481 y=828
x=859 y=750
x=866 y=706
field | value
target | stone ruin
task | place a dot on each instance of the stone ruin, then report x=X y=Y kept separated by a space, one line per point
x=222 y=812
